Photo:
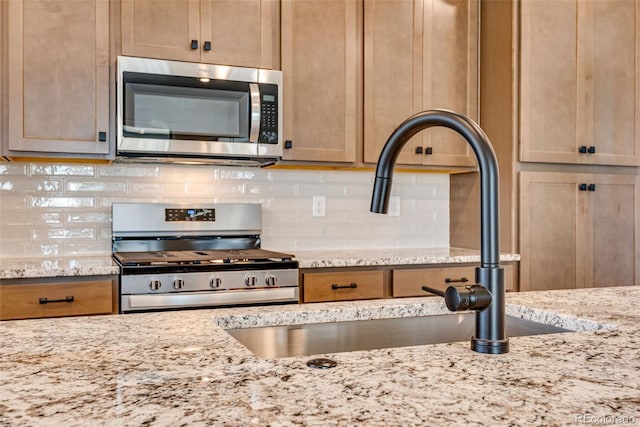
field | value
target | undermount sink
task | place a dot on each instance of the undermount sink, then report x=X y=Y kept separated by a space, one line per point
x=319 y=338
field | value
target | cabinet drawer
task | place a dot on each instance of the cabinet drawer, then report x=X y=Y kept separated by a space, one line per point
x=409 y=282
x=341 y=286
x=55 y=299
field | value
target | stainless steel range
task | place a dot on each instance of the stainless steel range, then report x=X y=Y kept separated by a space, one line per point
x=197 y=255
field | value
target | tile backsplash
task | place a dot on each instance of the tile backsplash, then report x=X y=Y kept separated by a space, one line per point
x=56 y=210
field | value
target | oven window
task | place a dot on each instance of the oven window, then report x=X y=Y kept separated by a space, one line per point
x=183 y=112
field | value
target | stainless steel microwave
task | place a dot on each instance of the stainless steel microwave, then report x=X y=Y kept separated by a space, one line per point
x=197 y=113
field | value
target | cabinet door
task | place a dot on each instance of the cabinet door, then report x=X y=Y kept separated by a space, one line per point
x=611 y=256
x=420 y=55
x=28 y=301
x=321 y=64
x=579 y=102
x=550 y=231
x=450 y=75
x=342 y=286
x=162 y=30
x=549 y=81
x=58 y=75
x=610 y=107
x=392 y=74
x=242 y=32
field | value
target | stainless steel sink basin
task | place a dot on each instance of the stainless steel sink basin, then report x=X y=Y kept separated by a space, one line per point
x=320 y=338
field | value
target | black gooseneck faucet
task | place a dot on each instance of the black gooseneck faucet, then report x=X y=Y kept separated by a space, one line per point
x=487 y=296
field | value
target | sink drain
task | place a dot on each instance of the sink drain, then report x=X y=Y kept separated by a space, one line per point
x=321 y=363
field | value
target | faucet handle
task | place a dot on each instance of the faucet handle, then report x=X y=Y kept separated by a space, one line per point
x=433 y=291
x=462 y=298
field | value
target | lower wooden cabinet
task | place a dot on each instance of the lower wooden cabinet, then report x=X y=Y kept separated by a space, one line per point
x=579 y=230
x=409 y=282
x=46 y=299
x=343 y=286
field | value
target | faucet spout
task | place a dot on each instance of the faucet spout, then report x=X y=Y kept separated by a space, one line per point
x=490 y=332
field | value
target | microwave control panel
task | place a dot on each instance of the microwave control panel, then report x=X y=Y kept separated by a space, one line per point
x=268 y=114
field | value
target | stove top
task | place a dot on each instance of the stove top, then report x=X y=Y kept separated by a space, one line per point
x=228 y=256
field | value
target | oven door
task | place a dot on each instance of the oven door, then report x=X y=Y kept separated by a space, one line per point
x=168 y=301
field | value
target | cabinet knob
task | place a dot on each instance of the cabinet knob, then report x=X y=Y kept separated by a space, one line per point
x=582 y=149
x=592 y=149
x=582 y=187
x=288 y=144
x=194 y=44
x=592 y=187
x=428 y=151
x=102 y=136
x=418 y=150
x=207 y=45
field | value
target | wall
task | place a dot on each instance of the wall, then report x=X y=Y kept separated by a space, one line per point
x=65 y=209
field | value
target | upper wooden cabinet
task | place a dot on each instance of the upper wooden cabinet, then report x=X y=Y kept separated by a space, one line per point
x=322 y=68
x=580 y=82
x=231 y=32
x=58 y=78
x=420 y=55
x=578 y=230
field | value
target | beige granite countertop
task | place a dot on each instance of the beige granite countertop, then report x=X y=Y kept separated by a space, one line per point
x=57 y=267
x=96 y=266
x=397 y=256
x=182 y=369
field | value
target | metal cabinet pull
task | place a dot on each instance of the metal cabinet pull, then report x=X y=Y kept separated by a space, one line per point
x=460 y=280
x=207 y=45
x=350 y=286
x=288 y=144
x=194 y=44
x=47 y=301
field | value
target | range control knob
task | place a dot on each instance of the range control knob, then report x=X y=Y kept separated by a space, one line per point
x=271 y=280
x=250 y=280
x=178 y=284
x=155 y=284
x=215 y=282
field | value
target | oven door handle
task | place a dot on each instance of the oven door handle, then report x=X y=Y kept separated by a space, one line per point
x=256 y=113
x=201 y=299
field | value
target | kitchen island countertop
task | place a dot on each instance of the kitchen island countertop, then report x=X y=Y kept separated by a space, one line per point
x=181 y=368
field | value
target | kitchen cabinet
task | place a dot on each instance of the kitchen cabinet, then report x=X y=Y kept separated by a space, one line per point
x=3 y=98
x=342 y=285
x=578 y=230
x=231 y=32
x=354 y=283
x=580 y=82
x=420 y=55
x=322 y=70
x=408 y=282
x=28 y=299
x=57 y=78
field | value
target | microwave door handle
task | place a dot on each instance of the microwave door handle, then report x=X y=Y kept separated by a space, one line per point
x=143 y=131
x=254 y=91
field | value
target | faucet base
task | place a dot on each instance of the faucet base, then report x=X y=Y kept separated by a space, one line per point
x=490 y=346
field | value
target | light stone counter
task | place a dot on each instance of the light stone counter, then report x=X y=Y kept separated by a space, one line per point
x=181 y=369
x=379 y=257
x=57 y=267
x=96 y=266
